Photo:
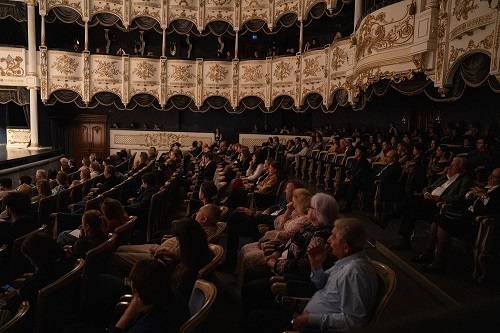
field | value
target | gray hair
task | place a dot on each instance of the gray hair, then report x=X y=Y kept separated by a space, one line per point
x=352 y=231
x=42 y=173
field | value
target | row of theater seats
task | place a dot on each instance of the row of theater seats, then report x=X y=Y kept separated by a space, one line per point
x=56 y=300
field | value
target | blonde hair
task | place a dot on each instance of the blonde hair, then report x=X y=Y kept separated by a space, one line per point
x=302 y=200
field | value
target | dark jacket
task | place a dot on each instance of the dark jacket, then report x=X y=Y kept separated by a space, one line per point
x=492 y=207
x=208 y=171
x=454 y=195
x=9 y=231
x=390 y=187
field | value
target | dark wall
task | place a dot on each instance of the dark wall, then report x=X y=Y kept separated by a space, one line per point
x=476 y=106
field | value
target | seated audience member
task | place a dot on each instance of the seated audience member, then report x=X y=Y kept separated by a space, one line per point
x=390 y=186
x=40 y=174
x=207 y=167
x=90 y=235
x=152 y=154
x=127 y=255
x=357 y=177
x=43 y=189
x=450 y=189
x=110 y=179
x=438 y=163
x=49 y=264
x=244 y=222
x=62 y=183
x=347 y=292
x=265 y=190
x=155 y=307
x=95 y=169
x=484 y=201
x=193 y=254
x=139 y=204
x=114 y=214
x=25 y=185
x=414 y=172
x=252 y=256
x=65 y=167
x=290 y=260
x=480 y=160
x=207 y=194
x=5 y=187
x=382 y=155
x=85 y=163
x=256 y=167
x=19 y=219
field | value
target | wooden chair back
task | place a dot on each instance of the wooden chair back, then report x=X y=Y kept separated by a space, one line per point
x=218 y=253
x=46 y=206
x=124 y=232
x=200 y=303
x=18 y=263
x=56 y=301
x=386 y=287
x=17 y=323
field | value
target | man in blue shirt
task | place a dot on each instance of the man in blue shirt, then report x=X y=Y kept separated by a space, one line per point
x=347 y=291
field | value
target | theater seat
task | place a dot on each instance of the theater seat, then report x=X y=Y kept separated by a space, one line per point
x=200 y=302
x=17 y=323
x=387 y=285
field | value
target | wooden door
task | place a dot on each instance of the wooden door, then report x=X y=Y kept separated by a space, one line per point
x=90 y=136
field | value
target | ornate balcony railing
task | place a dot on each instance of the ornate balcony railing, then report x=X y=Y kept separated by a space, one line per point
x=392 y=44
x=200 y=12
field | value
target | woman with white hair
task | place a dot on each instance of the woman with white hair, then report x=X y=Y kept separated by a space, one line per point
x=291 y=258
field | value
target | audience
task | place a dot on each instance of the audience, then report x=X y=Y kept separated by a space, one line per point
x=18 y=220
x=154 y=306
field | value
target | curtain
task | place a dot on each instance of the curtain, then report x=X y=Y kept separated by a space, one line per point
x=14 y=9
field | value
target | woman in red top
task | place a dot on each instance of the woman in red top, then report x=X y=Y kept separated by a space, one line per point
x=114 y=213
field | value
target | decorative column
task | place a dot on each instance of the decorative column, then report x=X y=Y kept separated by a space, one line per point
x=236 y=45
x=86 y=43
x=42 y=34
x=301 y=36
x=32 y=73
x=164 y=43
x=358 y=8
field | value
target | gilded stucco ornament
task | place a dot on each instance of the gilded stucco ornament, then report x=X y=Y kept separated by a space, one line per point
x=65 y=64
x=11 y=66
x=181 y=73
x=145 y=70
x=378 y=34
x=463 y=8
x=217 y=73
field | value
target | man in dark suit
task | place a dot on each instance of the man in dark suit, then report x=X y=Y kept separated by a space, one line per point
x=18 y=208
x=207 y=167
x=390 y=186
x=357 y=177
x=139 y=205
x=448 y=190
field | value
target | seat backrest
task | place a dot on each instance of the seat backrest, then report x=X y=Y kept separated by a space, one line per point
x=386 y=287
x=94 y=203
x=17 y=323
x=214 y=238
x=18 y=263
x=76 y=194
x=155 y=213
x=63 y=199
x=339 y=159
x=200 y=302
x=57 y=300
x=124 y=232
x=97 y=258
x=218 y=253
x=47 y=206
